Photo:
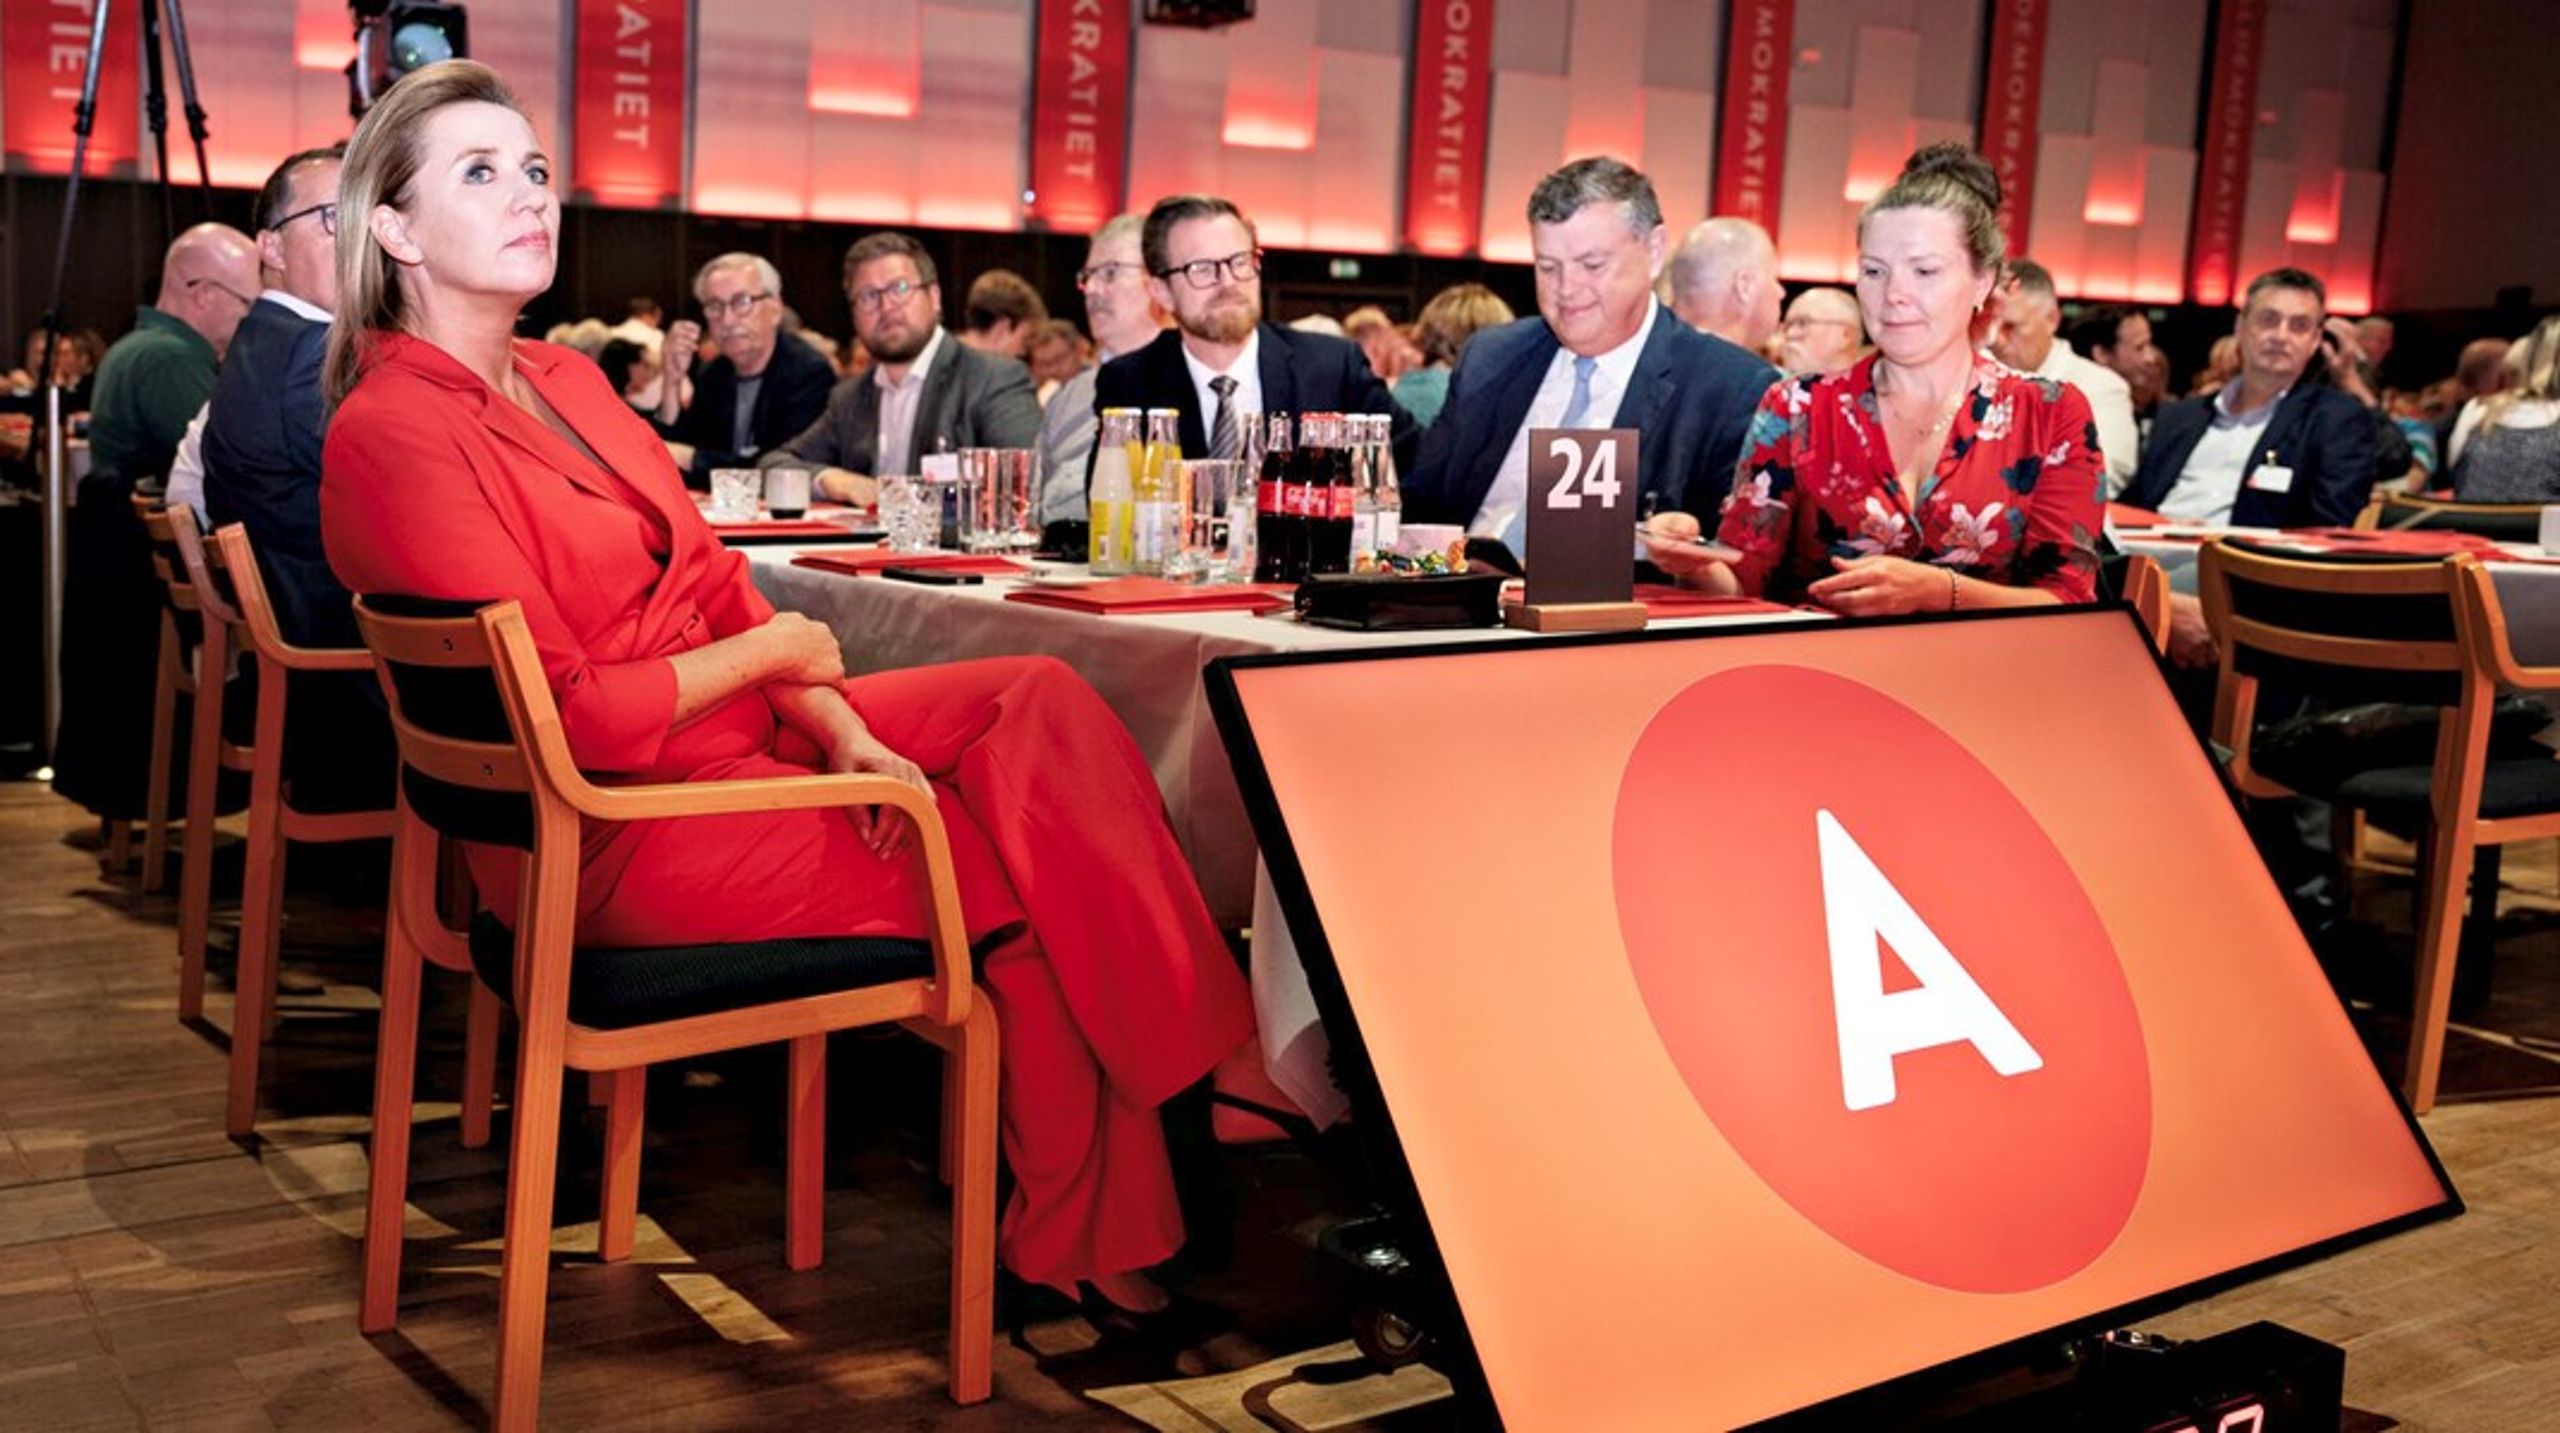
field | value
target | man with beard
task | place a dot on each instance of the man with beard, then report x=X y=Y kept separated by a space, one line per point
x=2275 y=447
x=926 y=392
x=758 y=392
x=1220 y=361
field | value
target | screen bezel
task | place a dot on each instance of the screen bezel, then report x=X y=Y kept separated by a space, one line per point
x=1358 y=1076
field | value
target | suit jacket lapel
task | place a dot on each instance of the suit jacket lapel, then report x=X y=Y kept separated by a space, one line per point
x=933 y=406
x=1277 y=370
x=1651 y=380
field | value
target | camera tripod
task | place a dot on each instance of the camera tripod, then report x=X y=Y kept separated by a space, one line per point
x=57 y=495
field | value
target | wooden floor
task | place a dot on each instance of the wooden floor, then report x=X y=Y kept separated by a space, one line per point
x=154 y=1274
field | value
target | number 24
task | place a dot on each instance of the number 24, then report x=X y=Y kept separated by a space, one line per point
x=1597 y=481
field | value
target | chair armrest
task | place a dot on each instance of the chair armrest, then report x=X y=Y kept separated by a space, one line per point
x=660 y=800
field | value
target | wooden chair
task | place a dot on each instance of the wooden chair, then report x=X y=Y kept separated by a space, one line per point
x=2146 y=590
x=484 y=758
x=2506 y=522
x=2425 y=633
x=180 y=629
x=208 y=755
x=234 y=595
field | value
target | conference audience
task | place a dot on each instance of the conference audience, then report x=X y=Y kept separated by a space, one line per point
x=1823 y=332
x=1390 y=353
x=2275 y=447
x=1602 y=353
x=150 y=386
x=2506 y=447
x=1454 y=315
x=261 y=454
x=2120 y=339
x=1057 y=352
x=1220 y=361
x=756 y=392
x=2027 y=338
x=1723 y=280
x=466 y=464
x=925 y=392
x=1926 y=477
x=1125 y=318
x=2480 y=370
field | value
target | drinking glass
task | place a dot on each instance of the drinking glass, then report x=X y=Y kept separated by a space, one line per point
x=911 y=510
x=1206 y=552
x=981 y=499
x=786 y=492
x=1017 y=477
x=733 y=494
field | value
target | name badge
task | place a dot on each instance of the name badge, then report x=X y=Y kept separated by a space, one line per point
x=2268 y=478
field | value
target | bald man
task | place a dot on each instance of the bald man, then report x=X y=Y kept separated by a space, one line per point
x=1824 y=331
x=1724 y=281
x=149 y=387
x=2028 y=339
x=155 y=378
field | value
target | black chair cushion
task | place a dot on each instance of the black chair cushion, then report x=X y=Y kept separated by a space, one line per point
x=615 y=988
x=2528 y=787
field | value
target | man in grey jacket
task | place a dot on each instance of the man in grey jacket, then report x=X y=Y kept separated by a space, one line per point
x=926 y=391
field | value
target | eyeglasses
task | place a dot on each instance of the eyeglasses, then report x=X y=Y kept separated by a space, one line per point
x=896 y=291
x=735 y=305
x=250 y=299
x=1204 y=273
x=328 y=217
x=1104 y=273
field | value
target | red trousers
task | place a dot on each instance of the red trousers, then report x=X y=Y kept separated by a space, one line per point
x=1112 y=987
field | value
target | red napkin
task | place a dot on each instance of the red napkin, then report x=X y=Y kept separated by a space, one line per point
x=781 y=529
x=1663 y=600
x=1119 y=595
x=865 y=560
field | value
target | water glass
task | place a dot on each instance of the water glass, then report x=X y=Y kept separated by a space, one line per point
x=786 y=492
x=911 y=510
x=1206 y=549
x=733 y=494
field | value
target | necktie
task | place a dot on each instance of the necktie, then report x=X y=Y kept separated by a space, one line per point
x=1224 y=439
x=1515 y=536
x=1581 y=402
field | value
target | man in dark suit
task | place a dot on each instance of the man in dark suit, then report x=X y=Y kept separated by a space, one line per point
x=1220 y=361
x=927 y=392
x=1601 y=354
x=2277 y=446
x=262 y=435
x=764 y=388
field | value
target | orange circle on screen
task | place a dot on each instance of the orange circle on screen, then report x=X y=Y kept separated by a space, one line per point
x=1790 y=845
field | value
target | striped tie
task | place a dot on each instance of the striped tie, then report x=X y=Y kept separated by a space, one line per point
x=1224 y=439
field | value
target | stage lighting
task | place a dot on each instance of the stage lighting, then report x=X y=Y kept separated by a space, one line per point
x=394 y=37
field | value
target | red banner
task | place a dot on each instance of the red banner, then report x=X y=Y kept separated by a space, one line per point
x=44 y=53
x=2012 y=96
x=1452 y=91
x=628 y=149
x=1751 y=160
x=1080 y=113
x=2222 y=173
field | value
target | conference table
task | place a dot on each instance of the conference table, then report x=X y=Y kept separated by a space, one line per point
x=2527 y=579
x=1148 y=668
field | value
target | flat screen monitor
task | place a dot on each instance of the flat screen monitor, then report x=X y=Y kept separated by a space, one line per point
x=1766 y=1014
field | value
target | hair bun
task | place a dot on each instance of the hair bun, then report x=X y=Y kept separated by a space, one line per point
x=1959 y=163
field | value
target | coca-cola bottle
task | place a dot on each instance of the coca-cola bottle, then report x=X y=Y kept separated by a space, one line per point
x=1331 y=497
x=1279 y=526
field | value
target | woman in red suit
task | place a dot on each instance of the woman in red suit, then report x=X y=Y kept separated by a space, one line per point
x=466 y=463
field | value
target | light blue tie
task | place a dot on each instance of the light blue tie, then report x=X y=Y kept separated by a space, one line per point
x=1516 y=536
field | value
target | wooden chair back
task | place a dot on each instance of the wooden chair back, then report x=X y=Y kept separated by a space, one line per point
x=2505 y=522
x=2146 y=590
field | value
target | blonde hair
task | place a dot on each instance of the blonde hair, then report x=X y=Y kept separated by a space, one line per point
x=381 y=163
x=2532 y=367
x=1453 y=316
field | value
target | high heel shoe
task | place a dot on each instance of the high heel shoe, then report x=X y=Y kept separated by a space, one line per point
x=1181 y=1323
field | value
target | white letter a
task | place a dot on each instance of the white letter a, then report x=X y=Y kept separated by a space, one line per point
x=1859 y=907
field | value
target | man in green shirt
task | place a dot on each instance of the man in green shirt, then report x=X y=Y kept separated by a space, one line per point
x=149 y=387
x=155 y=378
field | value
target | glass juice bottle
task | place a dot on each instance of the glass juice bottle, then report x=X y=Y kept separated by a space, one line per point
x=1154 y=486
x=1111 y=498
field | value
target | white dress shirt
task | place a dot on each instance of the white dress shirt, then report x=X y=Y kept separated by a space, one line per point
x=896 y=455
x=2110 y=403
x=1610 y=372
x=2210 y=485
x=1246 y=371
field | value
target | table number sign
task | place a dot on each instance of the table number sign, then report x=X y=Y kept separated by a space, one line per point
x=1582 y=505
